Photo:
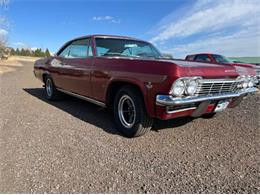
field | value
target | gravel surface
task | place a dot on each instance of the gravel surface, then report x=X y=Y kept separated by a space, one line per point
x=72 y=146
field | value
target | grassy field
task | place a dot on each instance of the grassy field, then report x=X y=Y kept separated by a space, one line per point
x=13 y=62
x=246 y=59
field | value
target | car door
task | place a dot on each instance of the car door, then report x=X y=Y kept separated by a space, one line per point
x=56 y=66
x=76 y=62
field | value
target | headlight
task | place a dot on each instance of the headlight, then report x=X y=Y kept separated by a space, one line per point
x=191 y=86
x=251 y=83
x=185 y=86
x=245 y=84
x=247 y=81
x=178 y=88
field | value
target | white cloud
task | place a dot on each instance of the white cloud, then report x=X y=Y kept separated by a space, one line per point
x=34 y=48
x=243 y=43
x=3 y=32
x=210 y=16
x=106 y=18
x=21 y=45
x=227 y=27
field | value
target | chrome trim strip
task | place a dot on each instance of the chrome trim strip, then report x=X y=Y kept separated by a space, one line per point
x=83 y=97
x=220 y=80
x=180 y=110
x=168 y=100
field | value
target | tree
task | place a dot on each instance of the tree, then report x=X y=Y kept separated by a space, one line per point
x=13 y=52
x=3 y=26
x=17 y=52
x=47 y=53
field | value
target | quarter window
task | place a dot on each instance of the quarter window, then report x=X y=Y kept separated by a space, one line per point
x=77 y=49
x=65 y=52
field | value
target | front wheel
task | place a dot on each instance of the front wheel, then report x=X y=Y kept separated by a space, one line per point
x=130 y=113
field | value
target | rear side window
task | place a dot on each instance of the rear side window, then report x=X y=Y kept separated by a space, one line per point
x=190 y=57
x=77 y=49
x=203 y=58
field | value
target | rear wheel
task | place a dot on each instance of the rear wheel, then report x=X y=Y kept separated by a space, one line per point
x=130 y=113
x=50 y=90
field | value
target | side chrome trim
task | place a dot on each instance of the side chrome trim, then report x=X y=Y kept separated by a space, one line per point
x=168 y=100
x=83 y=98
x=180 y=110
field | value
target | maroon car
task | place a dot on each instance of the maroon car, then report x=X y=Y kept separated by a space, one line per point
x=132 y=77
x=220 y=59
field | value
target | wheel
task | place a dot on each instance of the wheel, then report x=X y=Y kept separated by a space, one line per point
x=50 y=90
x=130 y=114
x=209 y=115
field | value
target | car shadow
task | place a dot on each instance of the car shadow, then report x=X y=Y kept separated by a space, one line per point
x=95 y=115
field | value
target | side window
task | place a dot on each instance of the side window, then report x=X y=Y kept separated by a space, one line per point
x=101 y=51
x=65 y=52
x=77 y=49
x=90 y=52
x=202 y=58
x=190 y=57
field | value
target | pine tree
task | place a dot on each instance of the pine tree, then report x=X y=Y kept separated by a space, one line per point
x=17 y=52
x=13 y=53
x=23 y=52
x=47 y=53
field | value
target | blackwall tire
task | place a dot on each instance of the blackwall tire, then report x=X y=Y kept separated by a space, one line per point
x=130 y=114
x=50 y=90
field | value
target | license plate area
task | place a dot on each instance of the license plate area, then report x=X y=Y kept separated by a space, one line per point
x=222 y=105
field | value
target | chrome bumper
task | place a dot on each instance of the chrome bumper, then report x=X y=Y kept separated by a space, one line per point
x=168 y=100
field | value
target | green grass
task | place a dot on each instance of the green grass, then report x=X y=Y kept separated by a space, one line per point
x=246 y=59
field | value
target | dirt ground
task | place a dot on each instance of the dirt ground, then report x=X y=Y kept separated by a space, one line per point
x=13 y=62
x=71 y=146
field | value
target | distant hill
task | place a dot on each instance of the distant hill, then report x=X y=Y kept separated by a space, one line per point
x=246 y=59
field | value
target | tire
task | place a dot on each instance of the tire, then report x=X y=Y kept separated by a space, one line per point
x=130 y=114
x=50 y=90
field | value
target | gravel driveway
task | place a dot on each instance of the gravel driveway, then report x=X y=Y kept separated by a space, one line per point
x=72 y=146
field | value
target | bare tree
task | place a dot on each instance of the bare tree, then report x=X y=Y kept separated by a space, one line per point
x=3 y=24
x=4 y=2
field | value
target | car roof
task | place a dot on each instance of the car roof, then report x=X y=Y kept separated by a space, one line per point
x=203 y=54
x=109 y=36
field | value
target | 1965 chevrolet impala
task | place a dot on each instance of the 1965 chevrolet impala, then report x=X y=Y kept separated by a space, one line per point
x=133 y=78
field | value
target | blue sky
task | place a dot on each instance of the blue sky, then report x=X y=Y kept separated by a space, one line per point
x=178 y=27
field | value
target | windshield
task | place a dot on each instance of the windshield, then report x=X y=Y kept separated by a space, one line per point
x=221 y=59
x=125 y=48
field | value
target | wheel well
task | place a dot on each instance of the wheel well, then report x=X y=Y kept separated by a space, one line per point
x=114 y=87
x=44 y=77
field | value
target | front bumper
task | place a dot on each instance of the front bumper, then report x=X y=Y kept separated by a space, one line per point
x=168 y=100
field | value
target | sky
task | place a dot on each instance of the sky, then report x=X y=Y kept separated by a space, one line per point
x=177 y=27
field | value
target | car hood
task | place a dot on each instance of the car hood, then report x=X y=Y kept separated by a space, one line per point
x=242 y=65
x=204 y=69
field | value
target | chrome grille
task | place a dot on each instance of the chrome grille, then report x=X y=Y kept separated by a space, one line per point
x=208 y=87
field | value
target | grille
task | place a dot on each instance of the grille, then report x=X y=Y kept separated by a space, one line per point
x=208 y=87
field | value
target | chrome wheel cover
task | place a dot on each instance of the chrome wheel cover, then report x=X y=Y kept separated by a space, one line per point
x=49 y=89
x=126 y=111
